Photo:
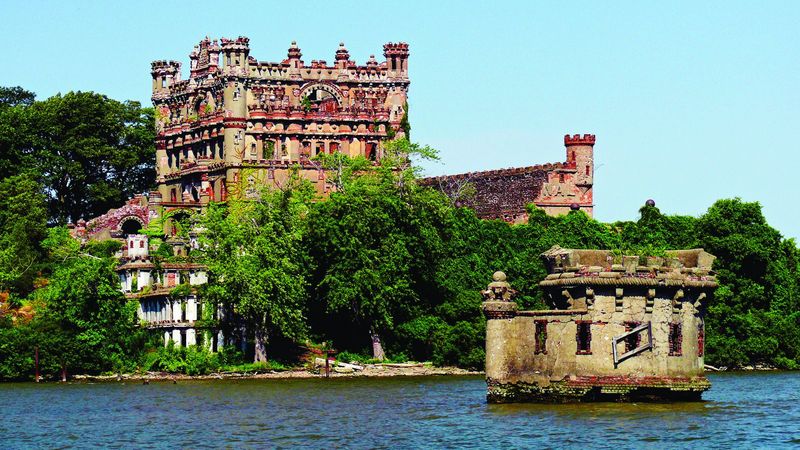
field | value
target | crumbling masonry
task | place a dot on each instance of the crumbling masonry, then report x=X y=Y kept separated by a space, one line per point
x=620 y=328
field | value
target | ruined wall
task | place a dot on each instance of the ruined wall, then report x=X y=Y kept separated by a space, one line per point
x=494 y=194
x=504 y=194
x=535 y=355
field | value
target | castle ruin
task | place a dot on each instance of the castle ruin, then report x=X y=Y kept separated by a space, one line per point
x=620 y=328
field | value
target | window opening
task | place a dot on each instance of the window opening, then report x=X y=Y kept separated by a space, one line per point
x=540 y=330
x=675 y=338
x=701 y=339
x=583 y=336
x=632 y=341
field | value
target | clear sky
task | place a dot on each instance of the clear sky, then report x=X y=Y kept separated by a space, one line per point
x=690 y=101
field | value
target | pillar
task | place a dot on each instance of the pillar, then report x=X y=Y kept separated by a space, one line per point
x=176 y=311
x=191 y=309
x=208 y=337
x=176 y=336
x=166 y=338
x=191 y=337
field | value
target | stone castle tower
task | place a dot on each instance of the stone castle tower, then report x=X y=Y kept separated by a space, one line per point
x=237 y=123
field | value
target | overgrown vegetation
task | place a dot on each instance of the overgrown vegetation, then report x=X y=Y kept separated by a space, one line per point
x=381 y=268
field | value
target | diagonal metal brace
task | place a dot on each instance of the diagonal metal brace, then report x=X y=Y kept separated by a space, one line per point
x=646 y=346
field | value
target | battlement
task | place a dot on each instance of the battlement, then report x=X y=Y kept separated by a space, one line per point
x=163 y=67
x=587 y=139
x=391 y=49
x=240 y=43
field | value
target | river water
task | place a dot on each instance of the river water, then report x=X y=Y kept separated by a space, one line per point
x=745 y=410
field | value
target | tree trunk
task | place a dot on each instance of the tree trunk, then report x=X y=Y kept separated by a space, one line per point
x=377 y=348
x=261 y=345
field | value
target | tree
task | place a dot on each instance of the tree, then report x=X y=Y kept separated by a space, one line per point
x=91 y=153
x=13 y=96
x=22 y=228
x=255 y=261
x=373 y=242
x=85 y=322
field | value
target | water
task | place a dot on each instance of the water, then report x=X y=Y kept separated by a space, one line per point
x=753 y=410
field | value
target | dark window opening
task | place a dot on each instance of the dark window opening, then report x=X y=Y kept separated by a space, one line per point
x=701 y=340
x=587 y=170
x=675 y=339
x=183 y=338
x=131 y=226
x=540 y=330
x=632 y=341
x=561 y=178
x=583 y=336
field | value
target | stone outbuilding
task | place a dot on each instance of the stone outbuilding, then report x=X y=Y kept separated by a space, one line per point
x=620 y=328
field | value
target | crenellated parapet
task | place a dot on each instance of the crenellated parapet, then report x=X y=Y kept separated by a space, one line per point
x=619 y=327
x=237 y=122
x=577 y=139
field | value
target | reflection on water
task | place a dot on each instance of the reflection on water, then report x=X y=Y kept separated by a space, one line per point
x=742 y=410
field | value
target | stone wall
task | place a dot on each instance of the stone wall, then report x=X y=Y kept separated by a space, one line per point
x=536 y=355
x=504 y=194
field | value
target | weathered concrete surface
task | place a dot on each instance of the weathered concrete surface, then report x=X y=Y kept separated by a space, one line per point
x=592 y=288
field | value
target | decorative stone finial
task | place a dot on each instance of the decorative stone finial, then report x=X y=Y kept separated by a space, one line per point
x=574 y=206
x=650 y=202
x=499 y=290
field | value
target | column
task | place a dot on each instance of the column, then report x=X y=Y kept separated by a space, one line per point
x=208 y=336
x=191 y=337
x=166 y=338
x=176 y=311
x=259 y=147
x=191 y=309
x=220 y=340
x=176 y=337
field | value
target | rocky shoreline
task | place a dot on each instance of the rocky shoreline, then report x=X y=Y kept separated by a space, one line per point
x=369 y=370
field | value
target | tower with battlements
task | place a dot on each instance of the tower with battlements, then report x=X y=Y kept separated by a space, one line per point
x=237 y=123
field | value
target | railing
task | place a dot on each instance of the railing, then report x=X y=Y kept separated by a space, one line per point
x=646 y=346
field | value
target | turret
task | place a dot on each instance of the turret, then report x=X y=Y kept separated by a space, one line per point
x=396 y=58
x=235 y=51
x=580 y=154
x=164 y=73
x=342 y=57
x=293 y=56
x=204 y=57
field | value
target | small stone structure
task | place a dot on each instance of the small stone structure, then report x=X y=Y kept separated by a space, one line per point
x=621 y=328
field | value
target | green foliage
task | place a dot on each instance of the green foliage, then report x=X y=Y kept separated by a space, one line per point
x=305 y=103
x=256 y=264
x=91 y=153
x=380 y=258
x=405 y=125
x=22 y=228
x=180 y=291
x=15 y=96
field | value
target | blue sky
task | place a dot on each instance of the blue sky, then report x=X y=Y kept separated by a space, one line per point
x=690 y=101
